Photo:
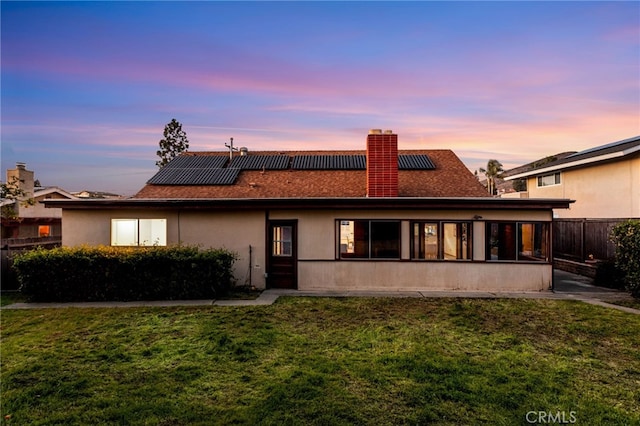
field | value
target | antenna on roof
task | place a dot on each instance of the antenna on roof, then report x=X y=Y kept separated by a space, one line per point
x=231 y=149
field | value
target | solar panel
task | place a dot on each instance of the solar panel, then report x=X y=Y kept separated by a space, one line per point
x=259 y=162
x=329 y=162
x=195 y=176
x=198 y=161
x=415 y=162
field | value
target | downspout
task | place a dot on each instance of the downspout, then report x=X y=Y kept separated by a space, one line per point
x=179 y=238
x=267 y=264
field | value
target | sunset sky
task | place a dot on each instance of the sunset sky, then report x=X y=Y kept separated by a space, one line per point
x=87 y=87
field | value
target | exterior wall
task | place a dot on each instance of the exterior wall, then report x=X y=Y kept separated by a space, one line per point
x=610 y=190
x=235 y=232
x=39 y=210
x=427 y=276
x=239 y=232
x=318 y=268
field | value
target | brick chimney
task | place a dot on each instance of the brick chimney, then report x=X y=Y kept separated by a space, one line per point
x=382 y=163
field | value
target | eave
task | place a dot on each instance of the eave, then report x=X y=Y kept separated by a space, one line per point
x=581 y=162
x=400 y=203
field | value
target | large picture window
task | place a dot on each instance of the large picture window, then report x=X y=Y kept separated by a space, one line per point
x=518 y=241
x=369 y=239
x=138 y=232
x=441 y=241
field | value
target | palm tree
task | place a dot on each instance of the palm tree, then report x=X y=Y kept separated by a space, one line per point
x=494 y=170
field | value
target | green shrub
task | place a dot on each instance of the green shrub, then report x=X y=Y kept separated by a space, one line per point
x=626 y=237
x=102 y=273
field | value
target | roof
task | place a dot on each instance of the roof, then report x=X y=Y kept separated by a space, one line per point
x=609 y=152
x=331 y=174
x=40 y=192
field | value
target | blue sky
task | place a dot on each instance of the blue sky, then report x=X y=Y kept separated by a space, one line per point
x=87 y=87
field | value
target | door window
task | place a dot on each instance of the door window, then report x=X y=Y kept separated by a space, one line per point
x=282 y=241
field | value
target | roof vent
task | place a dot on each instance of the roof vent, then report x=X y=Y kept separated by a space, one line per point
x=388 y=132
x=375 y=131
x=244 y=150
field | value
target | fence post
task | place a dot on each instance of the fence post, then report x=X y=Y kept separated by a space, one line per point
x=582 y=239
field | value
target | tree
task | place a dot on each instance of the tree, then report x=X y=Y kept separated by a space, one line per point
x=493 y=171
x=520 y=185
x=174 y=142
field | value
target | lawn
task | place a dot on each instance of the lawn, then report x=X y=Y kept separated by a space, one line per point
x=323 y=361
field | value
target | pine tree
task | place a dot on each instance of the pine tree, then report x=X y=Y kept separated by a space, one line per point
x=174 y=142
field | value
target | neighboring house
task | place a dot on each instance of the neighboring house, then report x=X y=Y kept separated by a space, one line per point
x=604 y=181
x=28 y=216
x=380 y=219
x=504 y=186
x=95 y=194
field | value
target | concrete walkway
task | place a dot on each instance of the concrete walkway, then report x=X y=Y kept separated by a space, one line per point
x=568 y=287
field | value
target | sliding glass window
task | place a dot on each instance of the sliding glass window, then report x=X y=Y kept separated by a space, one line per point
x=441 y=241
x=518 y=241
x=369 y=239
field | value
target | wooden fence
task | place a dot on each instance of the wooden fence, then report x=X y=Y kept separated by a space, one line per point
x=12 y=246
x=576 y=239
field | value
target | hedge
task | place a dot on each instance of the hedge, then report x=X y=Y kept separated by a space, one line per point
x=626 y=237
x=71 y=274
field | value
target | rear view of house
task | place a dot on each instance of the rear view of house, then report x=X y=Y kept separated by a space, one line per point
x=378 y=219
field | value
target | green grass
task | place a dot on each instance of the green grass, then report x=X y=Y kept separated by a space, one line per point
x=322 y=361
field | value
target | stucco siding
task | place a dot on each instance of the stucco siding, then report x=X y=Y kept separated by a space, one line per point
x=603 y=191
x=85 y=227
x=244 y=232
x=240 y=232
x=415 y=276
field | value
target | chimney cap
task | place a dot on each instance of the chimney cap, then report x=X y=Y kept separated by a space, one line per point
x=388 y=132
x=20 y=165
x=375 y=131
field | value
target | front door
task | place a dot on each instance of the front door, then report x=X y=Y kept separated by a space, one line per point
x=283 y=257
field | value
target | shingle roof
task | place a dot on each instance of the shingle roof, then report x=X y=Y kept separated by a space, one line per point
x=448 y=178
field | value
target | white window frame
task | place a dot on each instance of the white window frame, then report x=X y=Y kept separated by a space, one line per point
x=136 y=232
x=557 y=180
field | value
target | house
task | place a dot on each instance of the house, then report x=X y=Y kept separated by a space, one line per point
x=95 y=194
x=26 y=216
x=376 y=219
x=604 y=181
x=506 y=187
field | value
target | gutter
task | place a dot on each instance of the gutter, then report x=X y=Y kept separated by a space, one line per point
x=382 y=203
